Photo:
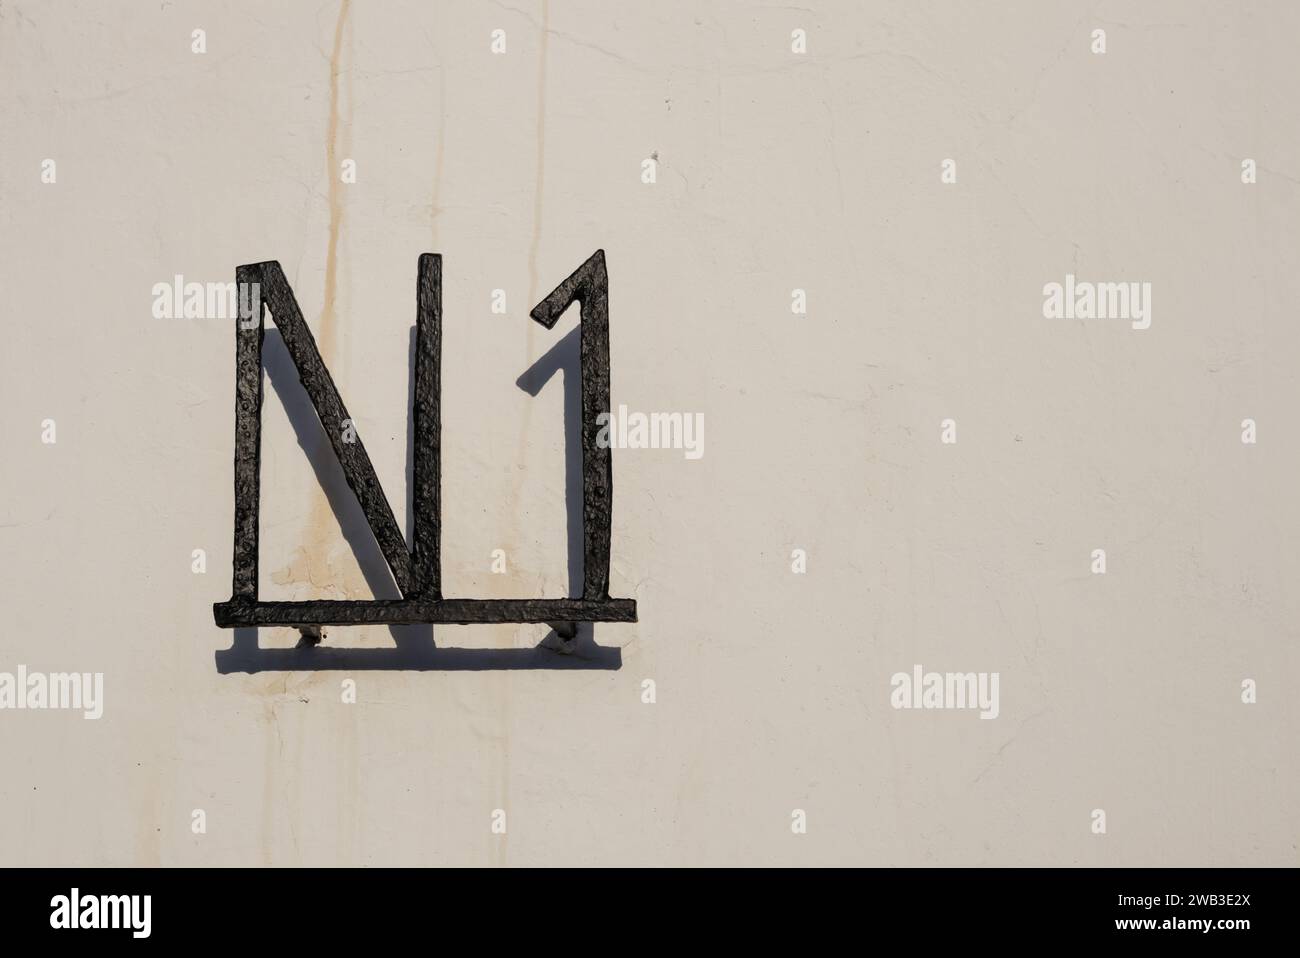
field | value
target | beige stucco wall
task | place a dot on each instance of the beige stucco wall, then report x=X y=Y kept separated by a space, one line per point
x=776 y=171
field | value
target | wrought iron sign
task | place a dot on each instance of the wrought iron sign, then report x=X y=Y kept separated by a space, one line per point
x=416 y=572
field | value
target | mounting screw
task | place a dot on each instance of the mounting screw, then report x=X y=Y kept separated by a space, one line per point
x=311 y=636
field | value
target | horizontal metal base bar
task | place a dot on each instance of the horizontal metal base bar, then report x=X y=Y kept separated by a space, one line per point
x=242 y=614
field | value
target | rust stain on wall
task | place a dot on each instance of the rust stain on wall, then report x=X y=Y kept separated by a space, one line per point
x=526 y=429
x=329 y=319
x=313 y=565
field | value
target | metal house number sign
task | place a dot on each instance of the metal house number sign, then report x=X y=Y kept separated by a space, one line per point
x=417 y=572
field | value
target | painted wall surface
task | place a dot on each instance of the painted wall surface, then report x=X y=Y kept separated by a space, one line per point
x=780 y=162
